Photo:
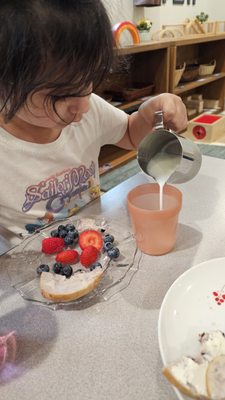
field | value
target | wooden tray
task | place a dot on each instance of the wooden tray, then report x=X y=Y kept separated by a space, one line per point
x=134 y=92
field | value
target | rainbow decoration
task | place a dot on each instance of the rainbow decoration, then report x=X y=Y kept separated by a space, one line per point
x=122 y=26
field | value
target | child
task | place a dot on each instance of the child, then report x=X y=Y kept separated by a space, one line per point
x=53 y=55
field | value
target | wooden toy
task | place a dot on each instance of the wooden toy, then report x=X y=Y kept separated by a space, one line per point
x=194 y=26
x=196 y=103
x=206 y=128
x=118 y=28
x=189 y=28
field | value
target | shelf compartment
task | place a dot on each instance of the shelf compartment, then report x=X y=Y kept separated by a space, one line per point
x=112 y=156
x=184 y=87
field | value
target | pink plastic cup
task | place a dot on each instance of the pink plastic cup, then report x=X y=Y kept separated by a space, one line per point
x=154 y=229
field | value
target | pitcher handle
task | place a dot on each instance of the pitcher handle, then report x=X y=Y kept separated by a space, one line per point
x=159 y=120
x=159 y=124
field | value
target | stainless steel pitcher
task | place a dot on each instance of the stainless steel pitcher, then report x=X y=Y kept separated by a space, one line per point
x=161 y=140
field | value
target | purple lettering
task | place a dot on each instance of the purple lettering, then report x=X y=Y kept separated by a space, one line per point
x=56 y=190
x=32 y=196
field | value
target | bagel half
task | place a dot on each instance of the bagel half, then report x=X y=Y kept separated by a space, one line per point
x=215 y=378
x=188 y=377
x=204 y=376
x=58 y=288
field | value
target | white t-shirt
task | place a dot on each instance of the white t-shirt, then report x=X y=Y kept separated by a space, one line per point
x=41 y=183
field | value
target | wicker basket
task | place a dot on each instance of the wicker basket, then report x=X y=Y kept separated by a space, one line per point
x=178 y=74
x=207 y=69
x=190 y=73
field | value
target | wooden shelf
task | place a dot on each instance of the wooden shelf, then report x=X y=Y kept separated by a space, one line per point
x=133 y=105
x=155 y=63
x=198 y=38
x=184 y=87
x=113 y=156
x=144 y=47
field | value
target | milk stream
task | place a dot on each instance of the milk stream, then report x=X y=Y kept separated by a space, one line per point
x=161 y=167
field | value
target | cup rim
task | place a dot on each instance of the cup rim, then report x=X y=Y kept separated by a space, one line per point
x=174 y=209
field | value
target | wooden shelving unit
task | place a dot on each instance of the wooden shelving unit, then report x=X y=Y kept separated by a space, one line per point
x=201 y=49
x=155 y=63
x=113 y=156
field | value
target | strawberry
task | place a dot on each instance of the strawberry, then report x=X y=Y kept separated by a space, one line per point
x=52 y=245
x=90 y=237
x=88 y=256
x=67 y=257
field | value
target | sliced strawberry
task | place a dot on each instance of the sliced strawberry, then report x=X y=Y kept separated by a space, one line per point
x=67 y=257
x=90 y=237
x=88 y=256
x=52 y=245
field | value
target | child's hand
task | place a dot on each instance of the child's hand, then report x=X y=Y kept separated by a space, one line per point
x=142 y=122
x=174 y=111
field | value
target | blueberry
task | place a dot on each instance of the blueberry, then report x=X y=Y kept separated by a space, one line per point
x=68 y=241
x=67 y=271
x=42 y=268
x=70 y=227
x=108 y=238
x=95 y=265
x=54 y=233
x=113 y=253
x=57 y=268
x=62 y=233
x=61 y=227
x=107 y=246
x=73 y=234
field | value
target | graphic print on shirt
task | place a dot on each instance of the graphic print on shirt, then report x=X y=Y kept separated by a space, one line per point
x=61 y=195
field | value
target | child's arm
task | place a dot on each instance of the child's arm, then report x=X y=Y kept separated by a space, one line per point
x=141 y=122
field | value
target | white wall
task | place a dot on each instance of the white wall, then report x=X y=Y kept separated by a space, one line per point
x=120 y=10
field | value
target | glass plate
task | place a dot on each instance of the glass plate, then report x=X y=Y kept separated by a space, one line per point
x=21 y=263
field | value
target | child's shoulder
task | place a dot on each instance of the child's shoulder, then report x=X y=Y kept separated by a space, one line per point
x=97 y=100
x=103 y=107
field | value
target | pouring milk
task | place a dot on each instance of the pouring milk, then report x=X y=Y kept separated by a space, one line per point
x=161 y=166
x=162 y=154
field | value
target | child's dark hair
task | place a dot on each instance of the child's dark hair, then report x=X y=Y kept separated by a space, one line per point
x=59 y=45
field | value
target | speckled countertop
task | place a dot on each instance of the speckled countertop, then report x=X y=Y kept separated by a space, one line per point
x=109 y=350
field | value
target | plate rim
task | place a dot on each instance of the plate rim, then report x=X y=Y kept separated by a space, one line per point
x=180 y=277
x=179 y=395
